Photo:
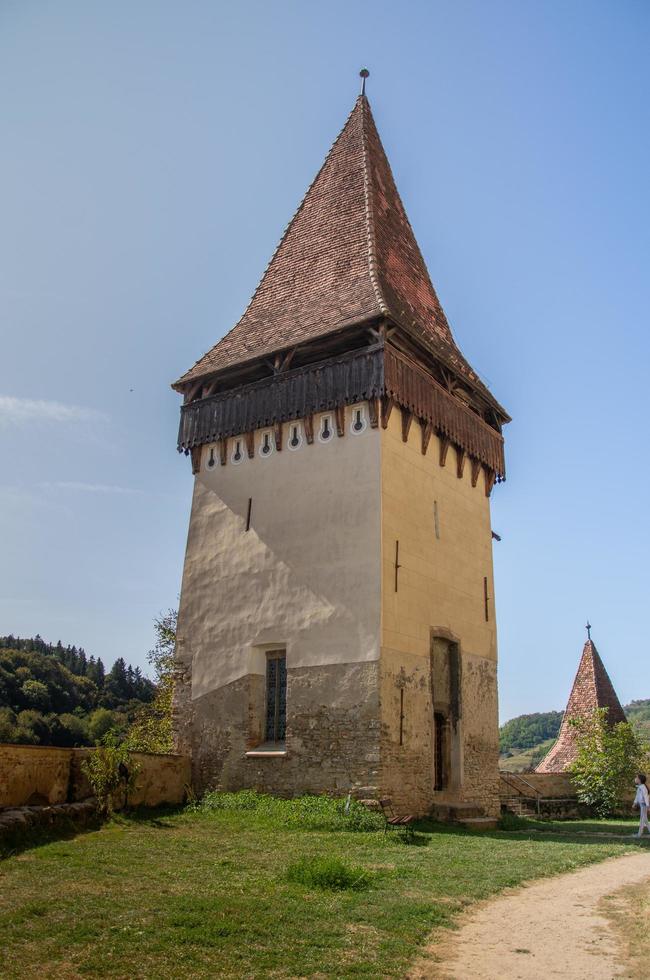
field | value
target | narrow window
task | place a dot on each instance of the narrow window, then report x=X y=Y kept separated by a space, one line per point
x=440 y=753
x=237 y=455
x=295 y=439
x=436 y=522
x=397 y=564
x=401 y=716
x=276 y=696
x=486 y=600
x=248 y=513
x=265 y=448
x=325 y=433
x=211 y=459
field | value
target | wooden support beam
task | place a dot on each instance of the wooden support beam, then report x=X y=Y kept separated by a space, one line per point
x=196 y=459
x=426 y=432
x=373 y=412
x=460 y=462
x=193 y=392
x=223 y=450
x=407 y=418
x=386 y=408
x=277 y=432
x=444 y=449
x=210 y=389
x=339 y=414
x=476 y=469
x=489 y=480
x=250 y=444
x=309 y=429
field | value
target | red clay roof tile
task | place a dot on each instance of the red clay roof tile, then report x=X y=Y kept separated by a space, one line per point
x=348 y=254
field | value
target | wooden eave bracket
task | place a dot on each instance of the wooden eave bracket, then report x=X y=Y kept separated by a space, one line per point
x=195 y=453
x=460 y=462
x=339 y=413
x=373 y=412
x=309 y=429
x=426 y=431
x=490 y=477
x=444 y=449
x=223 y=451
x=250 y=444
x=475 y=470
x=277 y=432
x=407 y=419
x=387 y=404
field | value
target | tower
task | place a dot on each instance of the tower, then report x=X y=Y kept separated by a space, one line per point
x=336 y=627
x=591 y=689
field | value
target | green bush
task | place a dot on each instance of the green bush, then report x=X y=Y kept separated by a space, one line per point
x=308 y=812
x=329 y=873
x=108 y=769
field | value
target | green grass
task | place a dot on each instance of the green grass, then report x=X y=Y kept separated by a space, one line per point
x=209 y=892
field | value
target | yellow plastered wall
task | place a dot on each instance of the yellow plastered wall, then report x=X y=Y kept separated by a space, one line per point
x=440 y=582
x=440 y=590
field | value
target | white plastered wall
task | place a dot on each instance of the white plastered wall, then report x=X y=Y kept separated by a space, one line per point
x=306 y=576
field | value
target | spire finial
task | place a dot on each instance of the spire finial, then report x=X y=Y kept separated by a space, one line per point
x=588 y=628
x=363 y=74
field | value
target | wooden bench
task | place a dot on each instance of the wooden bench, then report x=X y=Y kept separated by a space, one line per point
x=395 y=822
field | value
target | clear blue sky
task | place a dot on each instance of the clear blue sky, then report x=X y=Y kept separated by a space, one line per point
x=153 y=152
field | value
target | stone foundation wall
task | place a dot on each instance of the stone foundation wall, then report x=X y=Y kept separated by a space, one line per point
x=480 y=737
x=406 y=763
x=42 y=775
x=332 y=743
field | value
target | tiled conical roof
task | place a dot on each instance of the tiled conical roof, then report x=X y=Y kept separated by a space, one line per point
x=591 y=689
x=348 y=255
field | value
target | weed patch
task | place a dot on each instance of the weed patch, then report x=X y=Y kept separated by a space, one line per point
x=329 y=873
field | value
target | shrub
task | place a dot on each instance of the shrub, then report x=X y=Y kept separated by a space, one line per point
x=510 y=821
x=329 y=873
x=608 y=757
x=307 y=812
x=109 y=768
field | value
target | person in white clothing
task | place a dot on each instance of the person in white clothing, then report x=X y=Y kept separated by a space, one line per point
x=642 y=801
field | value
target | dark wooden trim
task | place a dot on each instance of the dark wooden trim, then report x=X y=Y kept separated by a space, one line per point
x=373 y=412
x=339 y=414
x=196 y=459
x=386 y=408
x=277 y=433
x=476 y=469
x=407 y=419
x=426 y=431
x=223 y=450
x=250 y=444
x=444 y=449
x=460 y=462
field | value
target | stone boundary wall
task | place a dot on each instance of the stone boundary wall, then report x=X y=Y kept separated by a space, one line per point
x=36 y=775
x=551 y=785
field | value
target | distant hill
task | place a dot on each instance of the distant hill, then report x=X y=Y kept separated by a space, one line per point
x=56 y=695
x=525 y=740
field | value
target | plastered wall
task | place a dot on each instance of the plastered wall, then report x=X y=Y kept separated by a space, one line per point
x=443 y=527
x=42 y=775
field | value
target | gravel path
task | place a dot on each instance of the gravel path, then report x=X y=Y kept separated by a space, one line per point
x=551 y=928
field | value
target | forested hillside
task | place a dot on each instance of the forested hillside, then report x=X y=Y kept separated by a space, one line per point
x=56 y=695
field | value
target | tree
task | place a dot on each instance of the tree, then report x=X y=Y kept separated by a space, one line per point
x=100 y=723
x=607 y=760
x=152 y=729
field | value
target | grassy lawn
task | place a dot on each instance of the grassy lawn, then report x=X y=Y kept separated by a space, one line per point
x=207 y=894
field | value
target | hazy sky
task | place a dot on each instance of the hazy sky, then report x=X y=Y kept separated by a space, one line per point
x=151 y=153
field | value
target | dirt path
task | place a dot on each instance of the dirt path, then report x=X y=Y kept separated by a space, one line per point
x=551 y=928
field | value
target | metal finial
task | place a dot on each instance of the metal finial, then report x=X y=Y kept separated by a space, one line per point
x=588 y=628
x=363 y=74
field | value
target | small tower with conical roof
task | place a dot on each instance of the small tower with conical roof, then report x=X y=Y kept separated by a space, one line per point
x=337 y=627
x=591 y=689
